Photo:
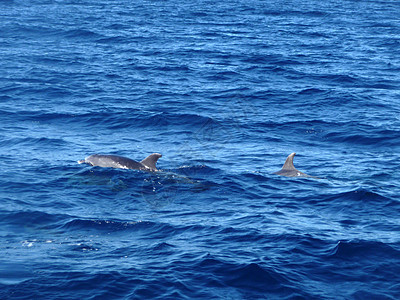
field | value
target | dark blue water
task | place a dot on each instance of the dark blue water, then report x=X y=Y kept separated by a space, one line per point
x=225 y=91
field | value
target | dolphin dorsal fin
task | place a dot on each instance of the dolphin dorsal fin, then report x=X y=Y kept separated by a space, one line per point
x=151 y=160
x=288 y=165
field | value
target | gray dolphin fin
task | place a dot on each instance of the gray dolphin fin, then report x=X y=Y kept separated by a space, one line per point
x=151 y=160
x=289 y=170
x=288 y=165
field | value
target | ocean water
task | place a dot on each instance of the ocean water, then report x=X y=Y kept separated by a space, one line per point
x=225 y=91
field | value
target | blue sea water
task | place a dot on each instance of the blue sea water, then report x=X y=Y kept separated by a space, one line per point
x=225 y=91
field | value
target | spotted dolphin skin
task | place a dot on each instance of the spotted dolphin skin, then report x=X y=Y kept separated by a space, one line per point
x=289 y=170
x=120 y=162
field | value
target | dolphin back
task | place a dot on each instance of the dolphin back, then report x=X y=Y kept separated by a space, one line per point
x=120 y=162
x=114 y=161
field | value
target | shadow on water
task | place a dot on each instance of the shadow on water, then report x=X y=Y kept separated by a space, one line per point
x=158 y=189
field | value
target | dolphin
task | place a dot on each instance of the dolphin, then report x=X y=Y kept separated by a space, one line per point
x=115 y=161
x=289 y=170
